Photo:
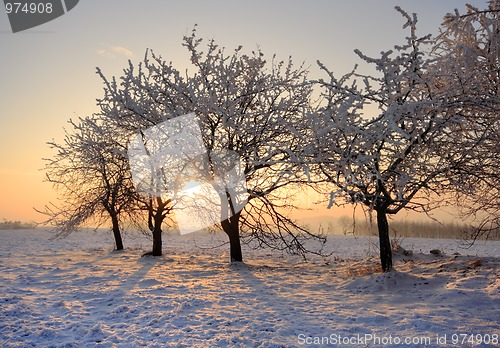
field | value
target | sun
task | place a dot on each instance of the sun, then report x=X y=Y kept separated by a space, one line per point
x=192 y=188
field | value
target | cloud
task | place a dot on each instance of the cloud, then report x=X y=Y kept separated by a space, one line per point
x=122 y=51
x=113 y=52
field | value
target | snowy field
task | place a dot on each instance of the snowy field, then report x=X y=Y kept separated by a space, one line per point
x=77 y=292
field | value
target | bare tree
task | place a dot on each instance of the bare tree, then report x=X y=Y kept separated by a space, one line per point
x=246 y=107
x=255 y=109
x=90 y=172
x=383 y=140
x=467 y=70
x=128 y=109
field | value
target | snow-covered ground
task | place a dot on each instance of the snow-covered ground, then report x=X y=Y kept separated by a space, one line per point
x=77 y=292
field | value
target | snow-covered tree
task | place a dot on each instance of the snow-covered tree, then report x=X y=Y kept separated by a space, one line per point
x=383 y=140
x=247 y=107
x=467 y=72
x=90 y=172
x=255 y=109
x=129 y=108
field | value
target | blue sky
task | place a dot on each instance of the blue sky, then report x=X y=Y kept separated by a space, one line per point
x=47 y=74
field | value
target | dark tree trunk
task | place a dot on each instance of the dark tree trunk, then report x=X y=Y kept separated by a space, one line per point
x=155 y=219
x=157 y=242
x=231 y=227
x=384 y=240
x=235 y=246
x=116 y=232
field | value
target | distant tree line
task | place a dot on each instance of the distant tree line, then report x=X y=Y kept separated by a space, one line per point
x=408 y=229
x=421 y=132
x=16 y=225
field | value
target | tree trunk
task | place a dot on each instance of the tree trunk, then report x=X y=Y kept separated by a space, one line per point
x=155 y=219
x=384 y=240
x=157 y=242
x=231 y=227
x=116 y=232
x=235 y=246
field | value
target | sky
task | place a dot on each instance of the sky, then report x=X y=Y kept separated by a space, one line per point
x=48 y=73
